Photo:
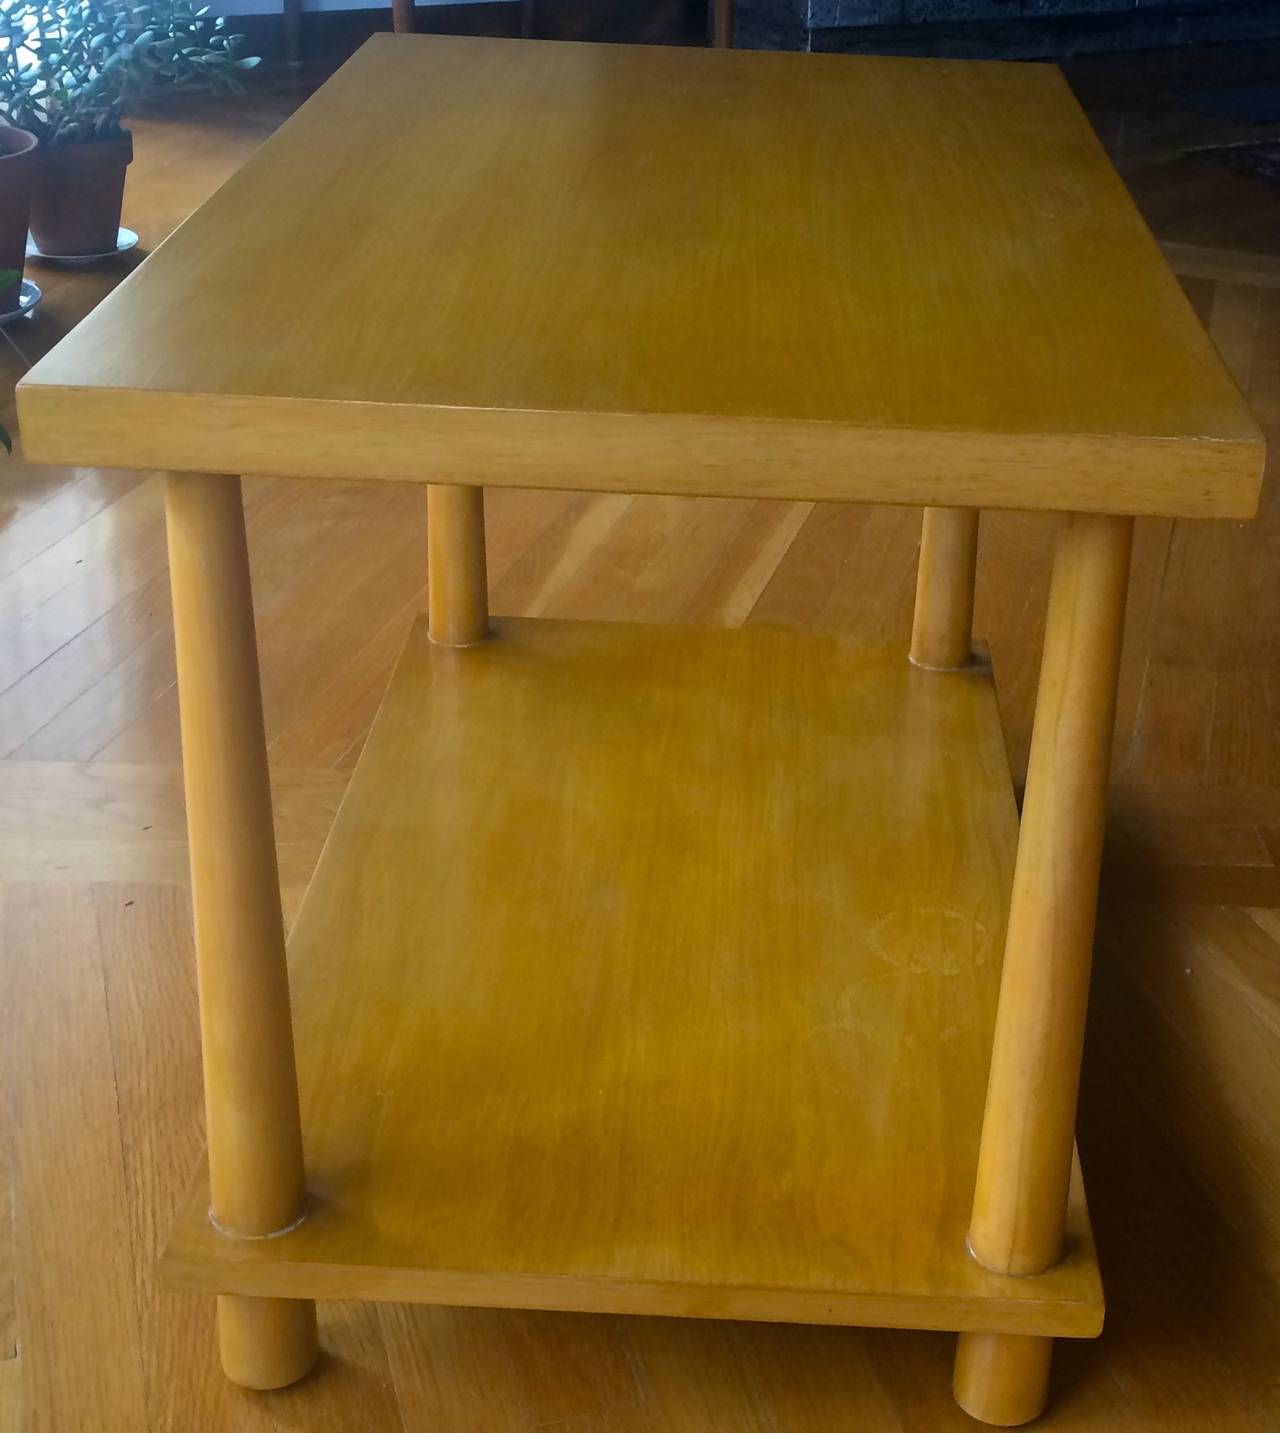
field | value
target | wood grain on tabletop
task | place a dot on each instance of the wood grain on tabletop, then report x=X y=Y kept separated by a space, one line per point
x=675 y=270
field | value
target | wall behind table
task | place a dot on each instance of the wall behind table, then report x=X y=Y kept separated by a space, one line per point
x=1004 y=29
x=333 y=29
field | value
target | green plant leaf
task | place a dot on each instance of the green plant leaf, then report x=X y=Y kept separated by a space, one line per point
x=69 y=68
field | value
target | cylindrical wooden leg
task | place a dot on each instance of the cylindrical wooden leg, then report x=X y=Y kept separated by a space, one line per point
x=1024 y=1161
x=402 y=17
x=942 y=632
x=722 y=24
x=266 y=1343
x=457 y=585
x=251 y=1091
x=1002 y=1378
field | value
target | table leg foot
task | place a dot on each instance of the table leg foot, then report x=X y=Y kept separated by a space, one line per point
x=1002 y=1378
x=266 y=1343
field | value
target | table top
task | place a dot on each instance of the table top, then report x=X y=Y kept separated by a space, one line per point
x=644 y=269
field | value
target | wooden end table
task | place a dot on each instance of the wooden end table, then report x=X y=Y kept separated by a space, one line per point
x=660 y=971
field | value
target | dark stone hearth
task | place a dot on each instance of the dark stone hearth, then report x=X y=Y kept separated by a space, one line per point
x=831 y=14
x=1005 y=29
x=1260 y=161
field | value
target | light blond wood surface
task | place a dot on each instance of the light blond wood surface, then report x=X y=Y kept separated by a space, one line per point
x=652 y=970
x=266 y=1343
x=100 y=1049
x=942 y=621
x=255 y=1166
x=691 y=271
x=257 y=1186
x=1024 y=1166
x=1001 y=1378
x=457 y=573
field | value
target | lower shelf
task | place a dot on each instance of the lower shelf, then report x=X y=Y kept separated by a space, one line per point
x=654 y=970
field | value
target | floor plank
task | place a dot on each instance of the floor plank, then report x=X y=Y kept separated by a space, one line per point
x=71 y=1193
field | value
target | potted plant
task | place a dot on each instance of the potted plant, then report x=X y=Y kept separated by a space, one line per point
x=68 y=70
x=17 y=174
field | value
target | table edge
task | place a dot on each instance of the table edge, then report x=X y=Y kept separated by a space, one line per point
x=661 y=453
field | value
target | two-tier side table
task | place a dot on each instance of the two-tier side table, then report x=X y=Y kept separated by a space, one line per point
x=687 y=972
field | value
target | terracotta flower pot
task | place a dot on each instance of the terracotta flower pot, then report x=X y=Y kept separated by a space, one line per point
x=75 y=208
x=18 y=162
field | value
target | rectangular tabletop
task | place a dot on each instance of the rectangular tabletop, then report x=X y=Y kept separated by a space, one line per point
x=684 y=271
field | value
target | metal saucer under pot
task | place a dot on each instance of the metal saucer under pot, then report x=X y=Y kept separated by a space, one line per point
x=29 y=296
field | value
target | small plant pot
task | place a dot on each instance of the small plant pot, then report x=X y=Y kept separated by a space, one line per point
x=79 y=192
x=18 y=163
